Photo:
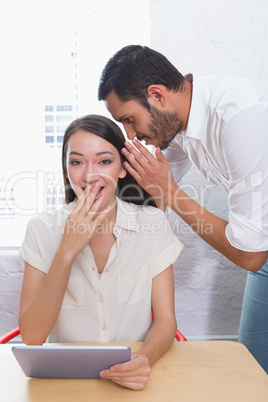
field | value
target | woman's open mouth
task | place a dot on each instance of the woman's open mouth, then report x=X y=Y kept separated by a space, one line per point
x=99 y=193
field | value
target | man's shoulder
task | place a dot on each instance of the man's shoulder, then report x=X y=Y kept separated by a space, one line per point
x=229 y=94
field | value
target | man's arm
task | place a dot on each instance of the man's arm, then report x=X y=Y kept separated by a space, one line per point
x=155 y=176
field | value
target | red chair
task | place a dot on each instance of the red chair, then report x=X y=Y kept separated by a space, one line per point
x=16 y=331
x=10 y=335
x=180 y=337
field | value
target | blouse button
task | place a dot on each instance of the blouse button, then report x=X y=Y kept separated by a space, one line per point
x=103 y=327
x=100 y=298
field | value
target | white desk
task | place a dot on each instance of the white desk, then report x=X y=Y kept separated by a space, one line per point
x=216 y=371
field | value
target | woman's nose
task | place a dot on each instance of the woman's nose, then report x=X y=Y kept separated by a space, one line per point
x=90 y=176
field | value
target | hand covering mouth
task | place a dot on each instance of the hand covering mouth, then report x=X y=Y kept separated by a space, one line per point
x=99 y=193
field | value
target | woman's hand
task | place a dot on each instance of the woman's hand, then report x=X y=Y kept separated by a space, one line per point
x=82 y=221
x=133 y=374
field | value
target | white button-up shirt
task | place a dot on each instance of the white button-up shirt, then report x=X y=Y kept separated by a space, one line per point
x=227 y=140
x=116 y=305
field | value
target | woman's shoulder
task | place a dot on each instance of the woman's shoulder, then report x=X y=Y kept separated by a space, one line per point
x=144 y=213
x=50 y=220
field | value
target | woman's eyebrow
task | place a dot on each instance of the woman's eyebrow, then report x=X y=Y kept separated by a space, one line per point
x=98 y=154
x=104 y=152
x=75 y=153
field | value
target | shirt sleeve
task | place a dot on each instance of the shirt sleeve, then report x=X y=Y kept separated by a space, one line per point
x=168 y=247
x=178 y=160
x=245 y=147
x=31 y=250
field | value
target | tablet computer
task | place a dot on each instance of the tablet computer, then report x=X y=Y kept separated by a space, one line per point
x=50 y=361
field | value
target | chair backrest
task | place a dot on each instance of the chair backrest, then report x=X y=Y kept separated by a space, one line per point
x=180 y=337
x=16 y=331
x=10 y=335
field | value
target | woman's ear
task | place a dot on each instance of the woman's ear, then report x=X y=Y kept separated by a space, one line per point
x=122 y=173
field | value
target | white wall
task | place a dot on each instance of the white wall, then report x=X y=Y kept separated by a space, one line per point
x=11 y=272
x=210 y=37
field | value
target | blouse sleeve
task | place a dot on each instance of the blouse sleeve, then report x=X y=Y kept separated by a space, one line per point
x=168 y=247
x=31 y=250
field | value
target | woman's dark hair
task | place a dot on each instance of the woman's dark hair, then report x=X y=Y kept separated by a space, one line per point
x=127 y=189
x=133 y=69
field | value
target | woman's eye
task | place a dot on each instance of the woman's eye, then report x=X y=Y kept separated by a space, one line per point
x=105 y=162
x=75 y=163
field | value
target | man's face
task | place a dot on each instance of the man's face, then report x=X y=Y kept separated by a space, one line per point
x=164 y=126
x=155 y=127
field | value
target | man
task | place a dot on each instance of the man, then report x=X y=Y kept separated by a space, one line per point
x=219 y=125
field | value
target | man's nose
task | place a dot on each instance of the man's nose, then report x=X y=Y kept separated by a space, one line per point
x=131 y=133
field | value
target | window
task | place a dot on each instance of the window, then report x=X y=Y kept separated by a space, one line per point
x=55 y=81
x=63 y=118
x=49 y=108
x=49 y=139
x=61 y=129
x=49 y=129
x=49 y=118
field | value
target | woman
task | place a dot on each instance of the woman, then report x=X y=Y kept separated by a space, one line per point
x=96 y=269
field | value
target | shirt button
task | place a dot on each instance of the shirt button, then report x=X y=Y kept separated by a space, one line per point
x=107 y=270
x=104 y=327
x=100 y=298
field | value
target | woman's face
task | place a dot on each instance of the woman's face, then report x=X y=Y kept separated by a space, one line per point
x=93 y=160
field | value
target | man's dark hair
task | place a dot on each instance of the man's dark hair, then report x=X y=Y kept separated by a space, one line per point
x=133 y=69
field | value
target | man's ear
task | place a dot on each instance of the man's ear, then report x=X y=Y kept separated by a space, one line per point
x=156 y=95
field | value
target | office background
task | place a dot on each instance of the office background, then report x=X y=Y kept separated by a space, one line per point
x=204 y=37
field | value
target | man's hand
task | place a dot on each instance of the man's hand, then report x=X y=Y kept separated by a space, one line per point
x=133 y=374
x=153 y=174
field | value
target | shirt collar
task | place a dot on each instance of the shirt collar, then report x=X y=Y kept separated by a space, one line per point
x=198 y=116
x=126 y=216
